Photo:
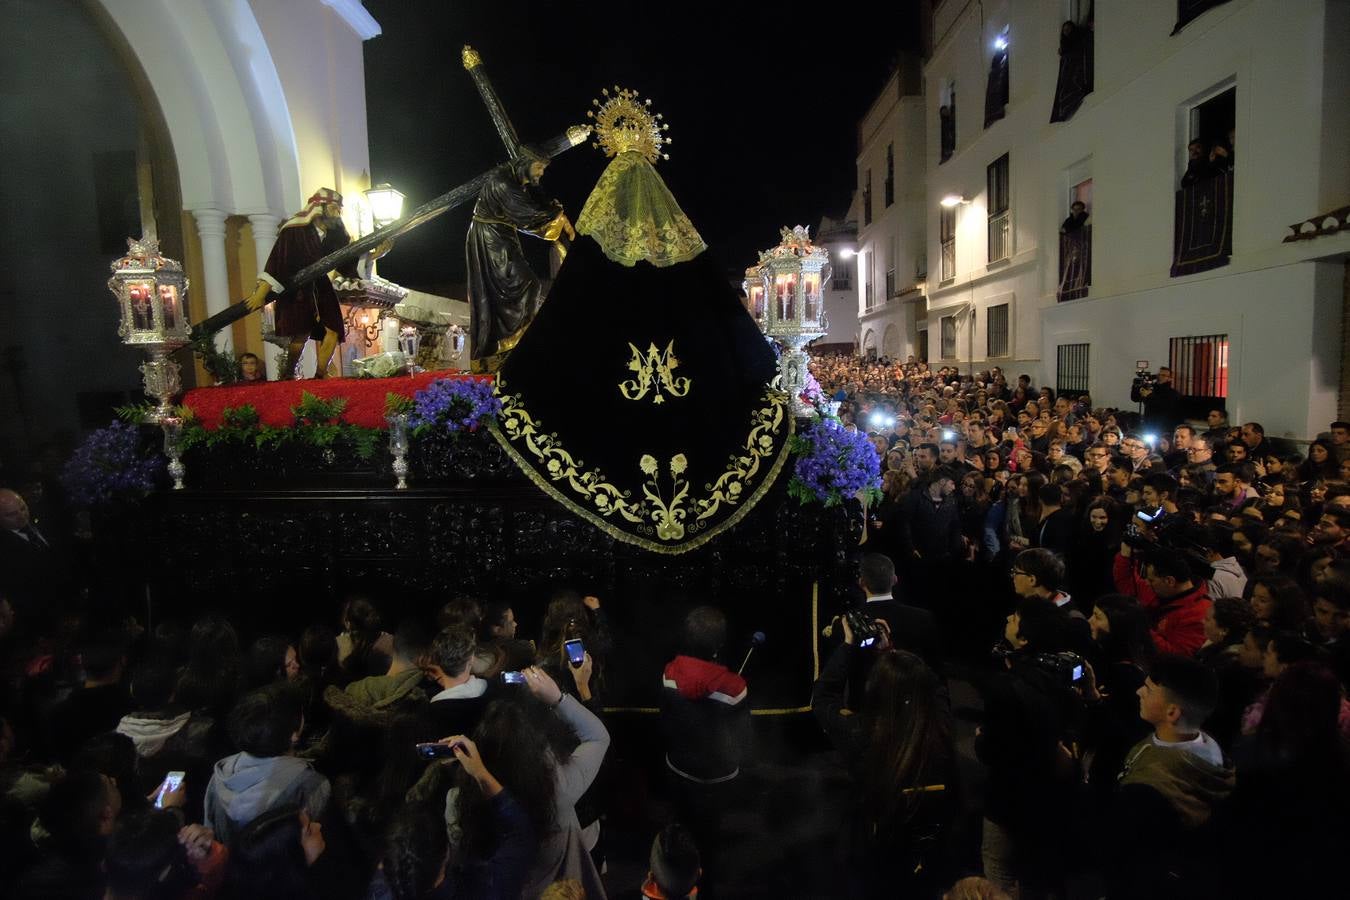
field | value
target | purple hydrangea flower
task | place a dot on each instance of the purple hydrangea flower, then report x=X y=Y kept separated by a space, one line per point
x=454 y=404
x=110 y=465
x=834 y=464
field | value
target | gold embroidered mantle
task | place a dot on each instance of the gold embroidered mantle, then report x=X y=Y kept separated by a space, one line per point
x=633 y=216
x=669 y=516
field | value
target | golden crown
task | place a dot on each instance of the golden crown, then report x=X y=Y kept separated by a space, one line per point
x=623 y=123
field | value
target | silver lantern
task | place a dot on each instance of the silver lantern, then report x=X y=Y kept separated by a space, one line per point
x=792 y=276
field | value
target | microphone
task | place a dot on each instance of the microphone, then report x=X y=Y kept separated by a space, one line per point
x=756 y=640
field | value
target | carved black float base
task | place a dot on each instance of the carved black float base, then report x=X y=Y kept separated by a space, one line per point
x=277 y=543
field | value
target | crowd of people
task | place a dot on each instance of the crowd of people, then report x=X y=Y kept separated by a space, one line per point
x=447 y=759
x=1164 y=713
x=1157 y=623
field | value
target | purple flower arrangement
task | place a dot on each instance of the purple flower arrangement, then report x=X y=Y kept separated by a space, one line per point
x=111 y=465
x=453 y=405
x=834 y=464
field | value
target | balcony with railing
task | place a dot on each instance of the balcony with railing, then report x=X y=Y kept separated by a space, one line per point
x=1075 y=264
x=949 y=259
x=1000 y=236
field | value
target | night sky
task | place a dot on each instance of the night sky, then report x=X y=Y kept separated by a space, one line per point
x=763 y=105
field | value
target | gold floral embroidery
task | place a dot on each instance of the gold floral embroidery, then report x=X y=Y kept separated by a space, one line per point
x=668 y=516
x=655 y=367
x=654 y=523
x=605 y=498
x=745 y=466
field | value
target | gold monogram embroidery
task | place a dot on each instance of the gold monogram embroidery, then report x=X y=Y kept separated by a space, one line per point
x=654 y=371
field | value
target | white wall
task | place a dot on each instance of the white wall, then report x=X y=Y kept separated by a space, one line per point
x=1293 y=124
x=1283 y=359
x=895 y=237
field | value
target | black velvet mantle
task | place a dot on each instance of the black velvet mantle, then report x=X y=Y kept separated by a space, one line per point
x=666 y=464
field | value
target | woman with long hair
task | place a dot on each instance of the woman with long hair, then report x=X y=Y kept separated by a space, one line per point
x=1278 y=603
x=570 y=615
x=1321 y=464
x=899 y=749
x=1094 y=551
x=363 y=645
x=417 y=860
x=211 y=679
x=270 y=658
x=526 y=747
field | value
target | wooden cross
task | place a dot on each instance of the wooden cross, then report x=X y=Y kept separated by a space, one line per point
x=458 y=196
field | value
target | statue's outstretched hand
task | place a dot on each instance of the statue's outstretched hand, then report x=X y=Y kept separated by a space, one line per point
x=258 y=298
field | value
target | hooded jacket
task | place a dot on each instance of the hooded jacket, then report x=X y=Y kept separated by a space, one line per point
x=150 y=733
x=244 y=787
x=1228 y=581
x=372 y=701
x=1190 y=784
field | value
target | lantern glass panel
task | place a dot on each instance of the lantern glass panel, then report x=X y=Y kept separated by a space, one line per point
x=141 y=297
x=168 y=299
x=786 y=287
x=811 y=280
x=757 y=302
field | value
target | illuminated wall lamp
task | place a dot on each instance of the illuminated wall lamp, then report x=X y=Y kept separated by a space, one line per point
x=386 y=204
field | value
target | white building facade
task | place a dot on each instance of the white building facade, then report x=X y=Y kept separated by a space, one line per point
x=840 y=238
x=891 y=255
x=1260 y=334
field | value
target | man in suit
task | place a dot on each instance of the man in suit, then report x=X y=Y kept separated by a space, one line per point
x=911 y=628
x=29 y=558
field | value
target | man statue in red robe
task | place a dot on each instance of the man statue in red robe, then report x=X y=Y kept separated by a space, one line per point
x=309 y=310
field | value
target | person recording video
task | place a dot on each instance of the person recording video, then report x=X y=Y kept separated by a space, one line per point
x=1162 y=403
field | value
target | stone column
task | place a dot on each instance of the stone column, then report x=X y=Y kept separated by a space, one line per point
x=264 y=236
x=211 y=231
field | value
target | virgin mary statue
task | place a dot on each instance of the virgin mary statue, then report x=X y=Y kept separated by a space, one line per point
x=641 y=397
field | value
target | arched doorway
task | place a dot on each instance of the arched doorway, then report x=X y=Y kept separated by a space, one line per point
x=869 y=344
x=890 y=342
x=87 y=162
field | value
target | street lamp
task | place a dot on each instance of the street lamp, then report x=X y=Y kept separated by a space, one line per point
x=951 y=201
x=386 y=204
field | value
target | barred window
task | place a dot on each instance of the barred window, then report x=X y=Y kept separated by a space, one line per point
x=996 y=330
x=947 y=238
x=1000 y=233
x=1071 y=369
x=1199 y=366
